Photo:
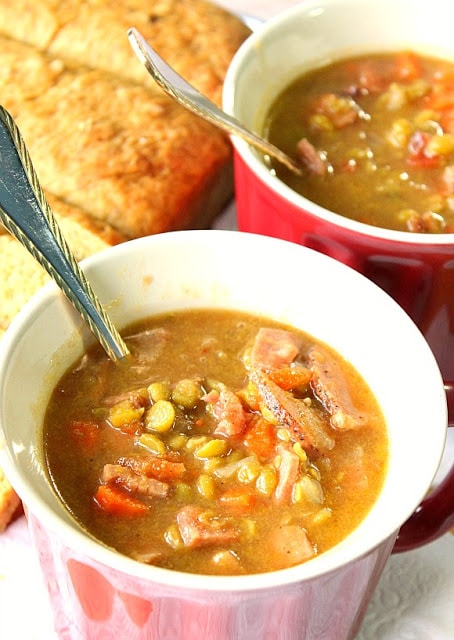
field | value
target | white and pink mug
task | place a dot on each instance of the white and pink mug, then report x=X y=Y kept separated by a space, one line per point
x=97 y=593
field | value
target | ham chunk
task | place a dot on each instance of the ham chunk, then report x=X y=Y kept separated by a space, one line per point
x=330 y=387
x=448 y=179
x=341 y=110
x=136 y=483
x=304 y=423
x=228 y=411
x=310 y=158
x=166 y=469
x=273 y=348
x=354 y=469
x=291 y=545
x=288 y=474
x=197 y=531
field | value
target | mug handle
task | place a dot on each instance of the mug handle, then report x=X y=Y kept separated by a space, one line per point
x=435 y=515
x=433 y=518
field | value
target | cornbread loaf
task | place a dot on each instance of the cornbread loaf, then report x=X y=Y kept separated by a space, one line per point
x=143 y=165
x=117 y=158
x=101 y=134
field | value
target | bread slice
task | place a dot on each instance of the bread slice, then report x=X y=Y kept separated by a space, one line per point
x=21 y=276
x=198 y=38
x=101 y=134
x=10 y=503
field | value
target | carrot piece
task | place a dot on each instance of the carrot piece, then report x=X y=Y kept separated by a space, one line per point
x=239 y=499
x=164 y=470
x=261 y=439
x=118 y=502
x=407 y=66
x=84 y=433
x=290 y=377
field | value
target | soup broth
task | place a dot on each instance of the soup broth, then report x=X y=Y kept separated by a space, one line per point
x=225 y=433
x=375 y=134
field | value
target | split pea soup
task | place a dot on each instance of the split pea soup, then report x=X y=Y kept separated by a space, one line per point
x=223 y=433
x=375 y=136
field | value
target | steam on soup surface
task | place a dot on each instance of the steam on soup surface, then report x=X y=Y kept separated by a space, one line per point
x=376 y=136
x=224 y=434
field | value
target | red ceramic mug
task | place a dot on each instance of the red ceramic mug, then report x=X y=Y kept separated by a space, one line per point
x=417 y=270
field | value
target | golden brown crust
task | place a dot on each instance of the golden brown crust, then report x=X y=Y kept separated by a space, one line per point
x=197 y=37
x=121 y=150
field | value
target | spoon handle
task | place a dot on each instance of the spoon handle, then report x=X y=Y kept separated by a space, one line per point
x=185 y=94
x=26 y=213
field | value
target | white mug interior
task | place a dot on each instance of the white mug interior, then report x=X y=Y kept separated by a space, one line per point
x=248 y=272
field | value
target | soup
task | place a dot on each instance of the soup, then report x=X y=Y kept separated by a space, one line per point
x=375 y=135
x=224 y=433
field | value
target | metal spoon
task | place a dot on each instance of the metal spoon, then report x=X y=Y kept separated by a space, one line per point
x=26 y=213
x=186 y=95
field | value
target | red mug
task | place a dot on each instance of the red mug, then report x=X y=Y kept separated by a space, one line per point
x=417 y=270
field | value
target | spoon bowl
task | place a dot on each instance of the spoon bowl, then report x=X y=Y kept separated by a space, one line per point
x=185 y=94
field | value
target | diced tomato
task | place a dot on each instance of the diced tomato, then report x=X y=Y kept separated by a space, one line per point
x=424 y=162
x=447 y=120
x=442 y=95
x=417 y=155
x=118 y=502
x=261 y=439
x=84 y=433
x=239 y=499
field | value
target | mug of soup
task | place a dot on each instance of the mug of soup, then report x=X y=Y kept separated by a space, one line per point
x=247 y=466
x=361 y=94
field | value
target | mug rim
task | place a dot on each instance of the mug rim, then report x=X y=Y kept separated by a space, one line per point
x=250 y=50
x=75 y=537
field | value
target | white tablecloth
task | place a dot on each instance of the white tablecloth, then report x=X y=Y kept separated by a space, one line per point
x=414 y=599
